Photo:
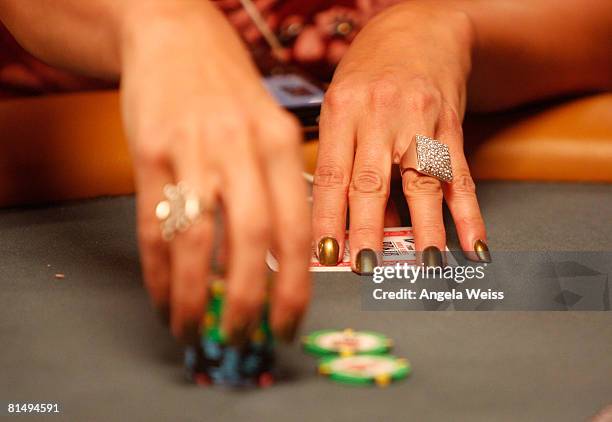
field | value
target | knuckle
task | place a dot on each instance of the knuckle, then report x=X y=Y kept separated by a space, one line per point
x=369 y=181
x=339 y=96
x=184 y=133
x=282 y=137
x=330 y=176
x=463 y=185
x=151 y=154
x=416 y=184
x=423 y=98
x=384 y=92
x=230 y=128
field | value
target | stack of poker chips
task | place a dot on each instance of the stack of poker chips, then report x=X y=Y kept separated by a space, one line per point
x=215 y=362
x=356 y=357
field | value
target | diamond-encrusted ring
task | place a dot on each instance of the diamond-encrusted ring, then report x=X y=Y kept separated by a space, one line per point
x=428 y=156
x=180 y=210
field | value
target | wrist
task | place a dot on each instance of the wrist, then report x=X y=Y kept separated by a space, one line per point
x=147 y=25
x=444 y=25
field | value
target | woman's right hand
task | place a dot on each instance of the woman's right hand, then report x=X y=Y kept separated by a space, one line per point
x=195 y=111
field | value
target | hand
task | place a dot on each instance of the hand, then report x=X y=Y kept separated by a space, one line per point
x=404 y=74
x=195 y=111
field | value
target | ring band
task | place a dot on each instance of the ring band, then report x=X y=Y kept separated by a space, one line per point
x=428 y=156
x=179 y=211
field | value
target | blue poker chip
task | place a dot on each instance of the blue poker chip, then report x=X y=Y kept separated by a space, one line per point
x=212 y=350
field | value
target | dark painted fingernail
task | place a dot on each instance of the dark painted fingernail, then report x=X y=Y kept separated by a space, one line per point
x=328 y=250
x=289 y=332
x=432 y=257
x=163 y=311
x=191 y=333
x=366 y=261
x=482 y=251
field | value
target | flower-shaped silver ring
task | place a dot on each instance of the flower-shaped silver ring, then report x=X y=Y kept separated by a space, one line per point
x=180 y=210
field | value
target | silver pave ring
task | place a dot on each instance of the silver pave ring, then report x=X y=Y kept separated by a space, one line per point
x=179 y=211
x=428 y=156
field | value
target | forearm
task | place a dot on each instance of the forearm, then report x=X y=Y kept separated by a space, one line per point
x=524 y=51
x=89 y=37
x=72 y=34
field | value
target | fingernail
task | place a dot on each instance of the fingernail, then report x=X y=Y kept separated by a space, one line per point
x=289 y=332
x=163 y=311
x=432 y=257
x=482 y=251
x=191 y=333
x=366 y=261
x=328 y=251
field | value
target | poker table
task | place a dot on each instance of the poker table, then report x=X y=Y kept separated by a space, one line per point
x=91 y=343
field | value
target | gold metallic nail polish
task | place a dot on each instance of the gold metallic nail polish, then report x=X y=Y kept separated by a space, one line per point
x=432 y=257
x=328 y=251
x=366 y=261
x=482 y=251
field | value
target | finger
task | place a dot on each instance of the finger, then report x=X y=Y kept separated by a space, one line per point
x=152 y=174
x=368 y=195
x=460 y=194
x=247 y=214
x=332 y=175
x=291 y=217
x=191 y=251
x=423 y=193
x=424 y=197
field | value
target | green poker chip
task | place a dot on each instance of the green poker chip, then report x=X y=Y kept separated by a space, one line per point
x=364 y=370
x=346 y=342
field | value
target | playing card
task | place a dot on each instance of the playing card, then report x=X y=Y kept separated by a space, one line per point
x=398 y=247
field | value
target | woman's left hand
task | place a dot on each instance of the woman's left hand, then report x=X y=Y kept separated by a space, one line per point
x=404 y=74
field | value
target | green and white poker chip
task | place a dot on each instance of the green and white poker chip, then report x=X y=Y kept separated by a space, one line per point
x=346 y=342
x=365 y=369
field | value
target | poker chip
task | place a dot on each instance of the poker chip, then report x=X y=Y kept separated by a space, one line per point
x=346 y=342
x=215 y=362
x=380 y=370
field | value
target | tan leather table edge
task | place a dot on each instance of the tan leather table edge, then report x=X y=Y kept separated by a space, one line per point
x=72 y=146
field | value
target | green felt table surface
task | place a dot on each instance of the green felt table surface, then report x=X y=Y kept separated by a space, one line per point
x=91 y=343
